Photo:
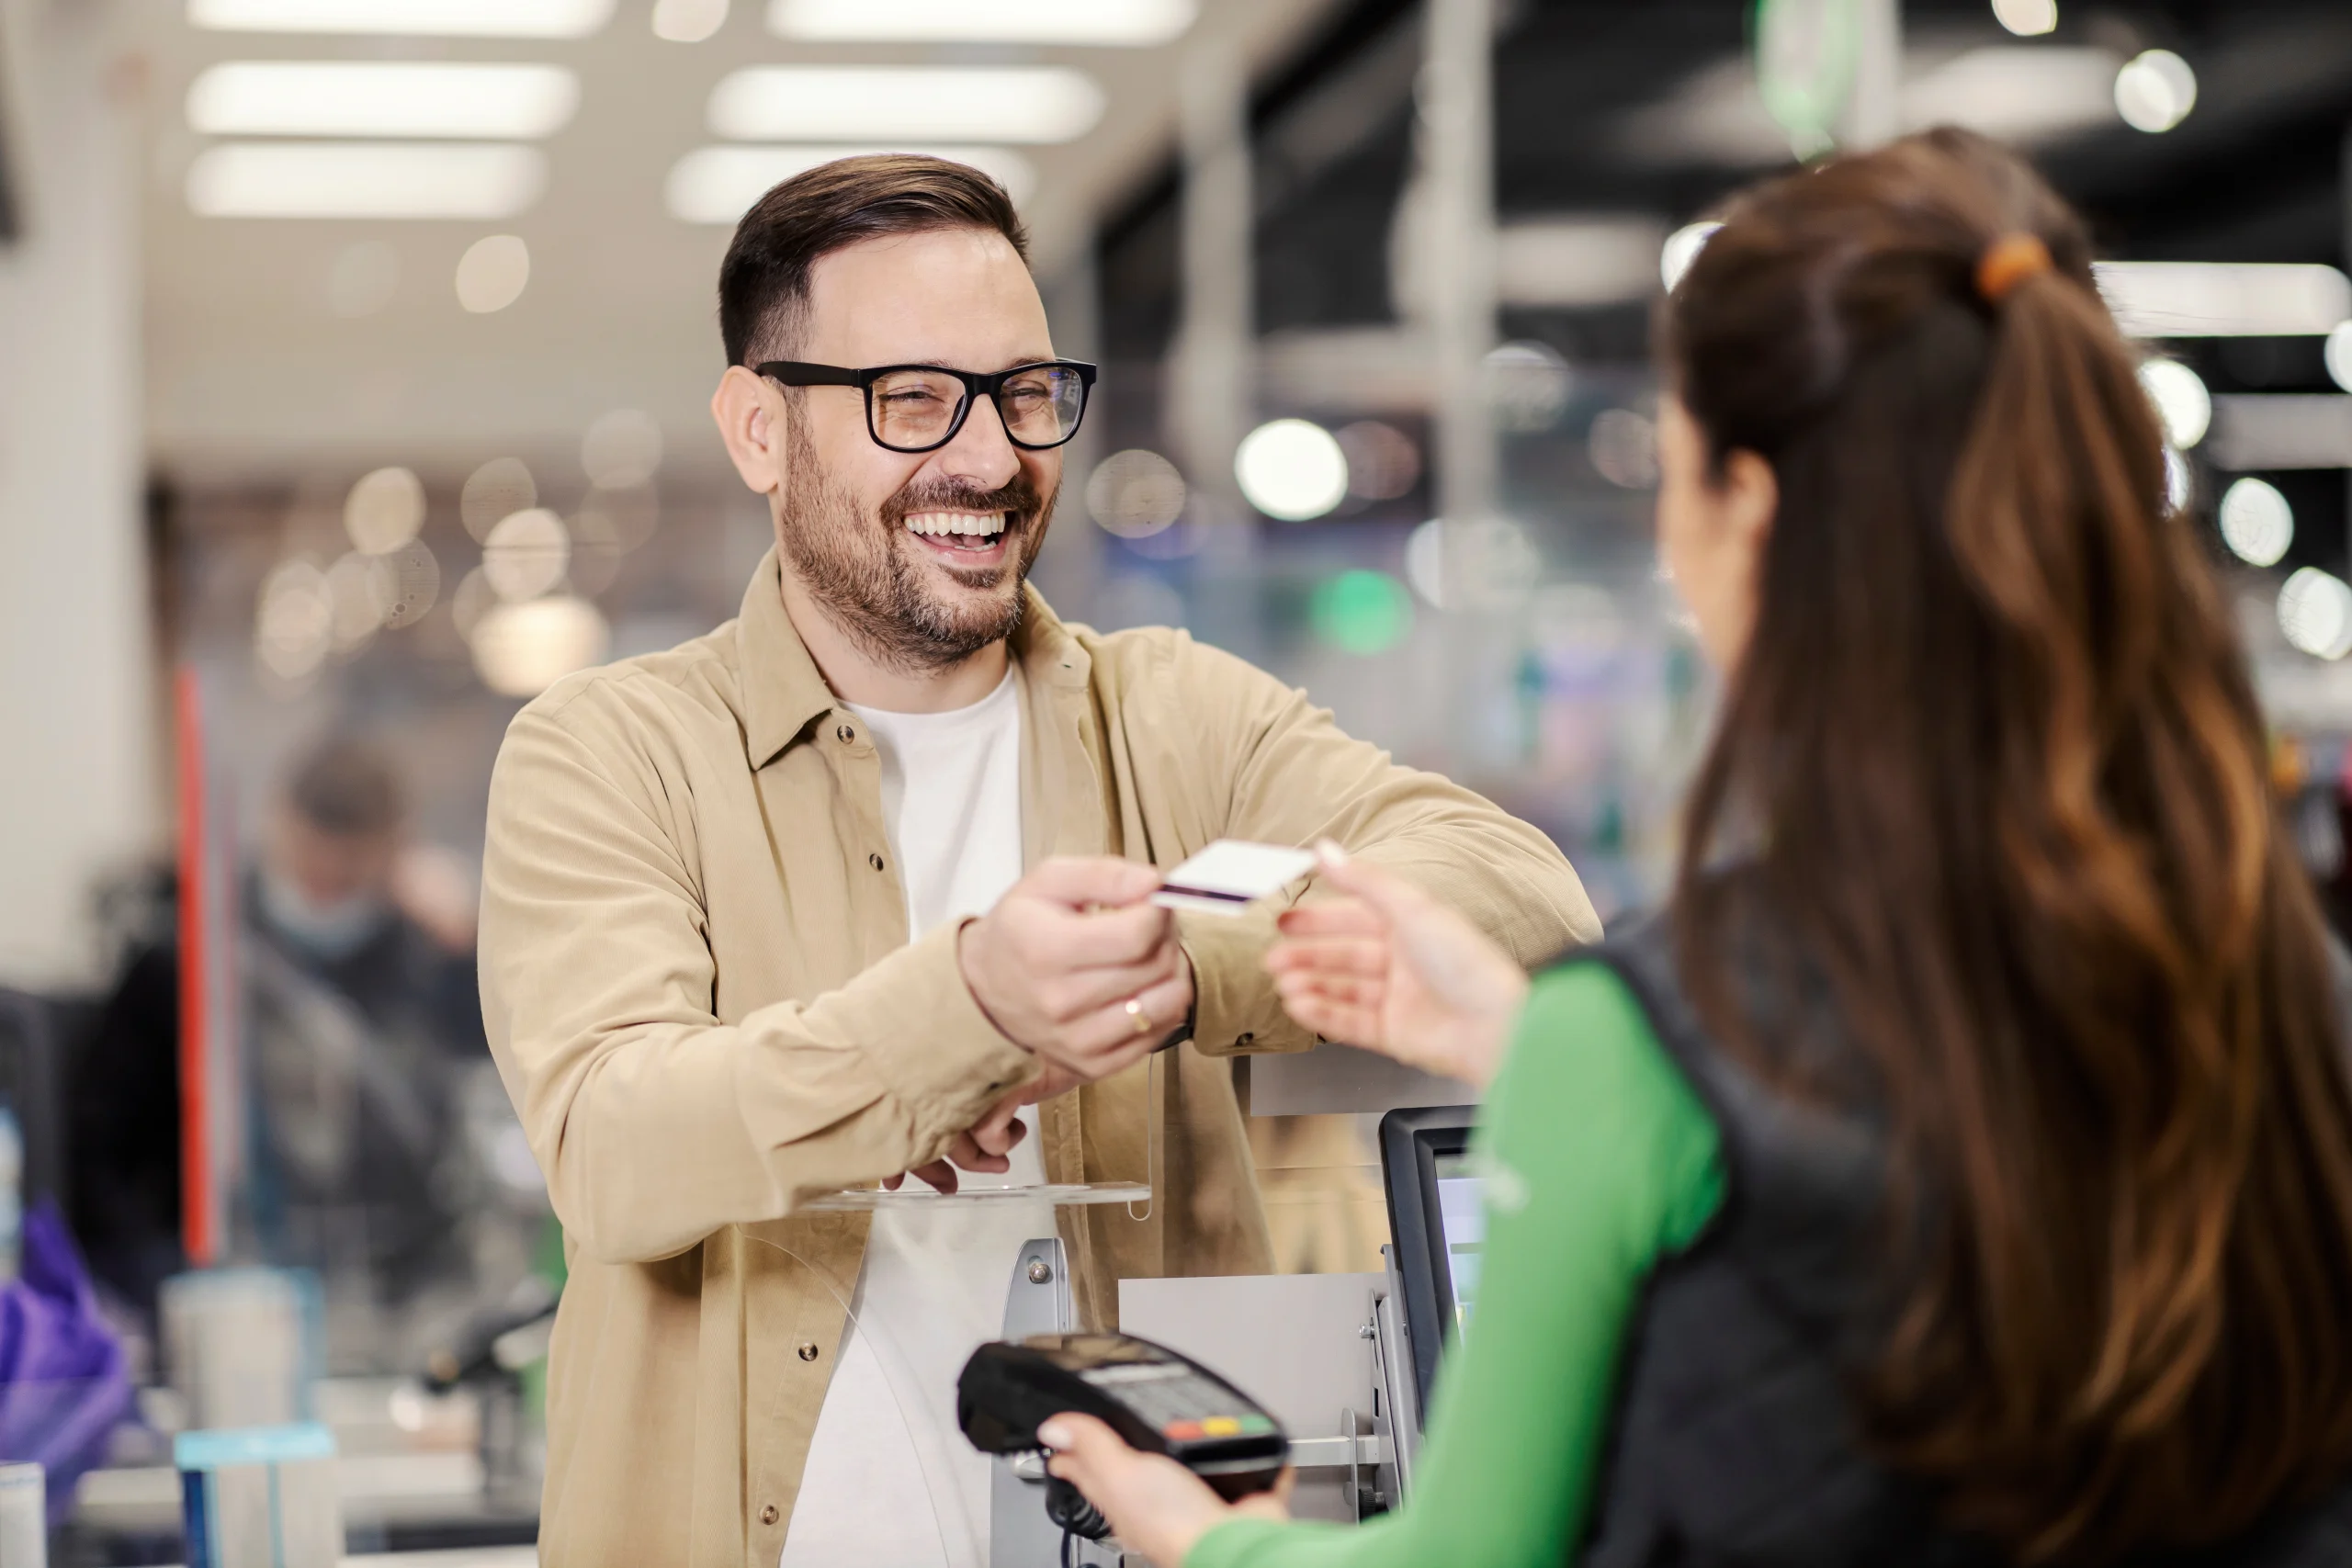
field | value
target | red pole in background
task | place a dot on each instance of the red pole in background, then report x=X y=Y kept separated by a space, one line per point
x=196 y=1017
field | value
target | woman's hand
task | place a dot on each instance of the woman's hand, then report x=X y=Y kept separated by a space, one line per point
x=1156 y=1506
x=1393 y=970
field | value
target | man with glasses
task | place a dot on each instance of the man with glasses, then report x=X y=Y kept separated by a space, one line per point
x=856 y=887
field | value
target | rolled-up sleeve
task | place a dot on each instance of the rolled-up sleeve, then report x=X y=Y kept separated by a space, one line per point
x=655 y=1122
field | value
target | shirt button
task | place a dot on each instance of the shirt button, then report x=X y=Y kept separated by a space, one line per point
x=873 y=861
x=1243 y=1041
x=808 y=1350
x=768 y=1515
x=845 y=734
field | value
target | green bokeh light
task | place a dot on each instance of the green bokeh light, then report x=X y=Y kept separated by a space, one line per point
x=1361 y=612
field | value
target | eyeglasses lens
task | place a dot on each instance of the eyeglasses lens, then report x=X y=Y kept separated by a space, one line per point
x=1041 y=407
x=913 y=408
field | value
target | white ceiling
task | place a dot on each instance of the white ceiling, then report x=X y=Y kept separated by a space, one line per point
x=252 y=377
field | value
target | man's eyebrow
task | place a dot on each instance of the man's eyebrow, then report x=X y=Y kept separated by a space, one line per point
x=1014 y=363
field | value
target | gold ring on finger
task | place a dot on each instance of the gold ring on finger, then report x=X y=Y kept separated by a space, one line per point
x=1142 y=1018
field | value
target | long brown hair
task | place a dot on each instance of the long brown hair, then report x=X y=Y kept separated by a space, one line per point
x=1993 y=760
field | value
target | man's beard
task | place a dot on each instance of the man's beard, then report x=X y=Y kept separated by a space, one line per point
x=855 y=568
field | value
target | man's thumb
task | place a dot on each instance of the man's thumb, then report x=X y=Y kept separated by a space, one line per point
x=1079 y=881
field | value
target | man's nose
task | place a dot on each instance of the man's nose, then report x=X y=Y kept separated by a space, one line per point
x=982 y=453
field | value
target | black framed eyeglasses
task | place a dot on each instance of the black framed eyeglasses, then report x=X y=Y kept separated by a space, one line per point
x=919 y=408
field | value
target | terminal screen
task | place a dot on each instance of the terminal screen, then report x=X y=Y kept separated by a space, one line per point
x=1462 y=1228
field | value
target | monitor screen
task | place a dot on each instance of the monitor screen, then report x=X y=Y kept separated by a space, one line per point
x=1462 y=1226
x=1437 y=1226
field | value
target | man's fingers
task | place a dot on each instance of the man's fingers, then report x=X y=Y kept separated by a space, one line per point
x=1108 y=1042
x=1054 y=1080
x=1001 y=1130
x=1107 y=938
x=1080 y=880
x=967 y=1152
x=938 y=1173
x=1092 y=990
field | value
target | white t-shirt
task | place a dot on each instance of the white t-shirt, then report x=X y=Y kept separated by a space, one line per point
x=890 y=1477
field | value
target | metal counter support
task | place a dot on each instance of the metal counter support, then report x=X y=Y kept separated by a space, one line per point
x=1036 y=1300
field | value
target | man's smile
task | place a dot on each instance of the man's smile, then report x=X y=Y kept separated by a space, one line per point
x=965 y=538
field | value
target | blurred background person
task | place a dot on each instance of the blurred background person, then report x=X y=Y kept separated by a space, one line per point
x=361 y=1017
x=1961 y=1171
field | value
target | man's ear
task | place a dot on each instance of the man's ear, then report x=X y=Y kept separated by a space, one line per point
x=750 y=421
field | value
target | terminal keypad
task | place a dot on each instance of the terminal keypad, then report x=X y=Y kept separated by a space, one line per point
x=1183 y=1407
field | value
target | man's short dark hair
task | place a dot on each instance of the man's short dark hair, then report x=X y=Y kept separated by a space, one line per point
x=764 y=282
x=348 y=789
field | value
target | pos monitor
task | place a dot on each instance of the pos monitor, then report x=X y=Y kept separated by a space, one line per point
x=1436 y=1226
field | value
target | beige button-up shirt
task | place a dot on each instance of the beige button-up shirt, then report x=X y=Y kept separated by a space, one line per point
x=698 y=988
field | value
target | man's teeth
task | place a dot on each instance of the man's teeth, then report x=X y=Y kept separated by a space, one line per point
x=940 y=524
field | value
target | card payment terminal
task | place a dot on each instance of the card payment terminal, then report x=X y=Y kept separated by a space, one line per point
x=1158 y=1401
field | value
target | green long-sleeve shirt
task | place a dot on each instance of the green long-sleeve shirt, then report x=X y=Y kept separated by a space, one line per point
x=1598 y=1157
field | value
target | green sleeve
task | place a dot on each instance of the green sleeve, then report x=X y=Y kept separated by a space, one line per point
x=1597 y=1158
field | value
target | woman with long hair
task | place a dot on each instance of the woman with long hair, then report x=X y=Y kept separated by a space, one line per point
x=1960 y=1170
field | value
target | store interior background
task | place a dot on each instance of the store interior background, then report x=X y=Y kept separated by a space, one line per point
x=313 y=424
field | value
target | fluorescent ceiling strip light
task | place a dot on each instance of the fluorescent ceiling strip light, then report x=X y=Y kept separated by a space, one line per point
x=2020 y=93
x=470 y=101
x=719 y=185
x=1576 y=260
x=1129 y=23
x=920 y=103
x=364 y=179
x=419 y=19
x=2225 y=299
x=2282 y=430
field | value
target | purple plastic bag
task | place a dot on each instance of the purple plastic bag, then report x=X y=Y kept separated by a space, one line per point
x=63 y=1383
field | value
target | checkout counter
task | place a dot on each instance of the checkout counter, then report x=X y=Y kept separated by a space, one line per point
x=1343 y=1362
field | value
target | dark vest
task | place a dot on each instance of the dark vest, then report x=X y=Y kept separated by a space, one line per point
x=1734 y=1442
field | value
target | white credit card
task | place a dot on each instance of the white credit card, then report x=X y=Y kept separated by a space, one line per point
x=1226 y=877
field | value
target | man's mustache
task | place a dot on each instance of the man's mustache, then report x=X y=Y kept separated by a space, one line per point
x=1019 y=500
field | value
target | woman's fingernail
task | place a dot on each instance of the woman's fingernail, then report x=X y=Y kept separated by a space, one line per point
x=1330 y=852
x=1053 y=1435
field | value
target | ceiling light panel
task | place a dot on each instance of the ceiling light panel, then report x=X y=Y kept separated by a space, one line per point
x=472 y=101
x=419 y=19
x=921 y=102
x=1128 y=23
x=718 y=184
x=2225 y=299
x=363 y=179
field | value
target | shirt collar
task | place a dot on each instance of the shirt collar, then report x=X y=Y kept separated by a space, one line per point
x=784 y=692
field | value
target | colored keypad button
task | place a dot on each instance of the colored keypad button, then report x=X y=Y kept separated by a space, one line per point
x=1221 y=1426
x=1256 y=1425
x=1181 y=1431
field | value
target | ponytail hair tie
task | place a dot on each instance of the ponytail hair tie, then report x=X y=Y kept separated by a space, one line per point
x=2008 y=262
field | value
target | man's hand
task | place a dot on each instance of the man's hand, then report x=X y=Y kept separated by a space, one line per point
x=1056 y=961
x=987 y=1145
